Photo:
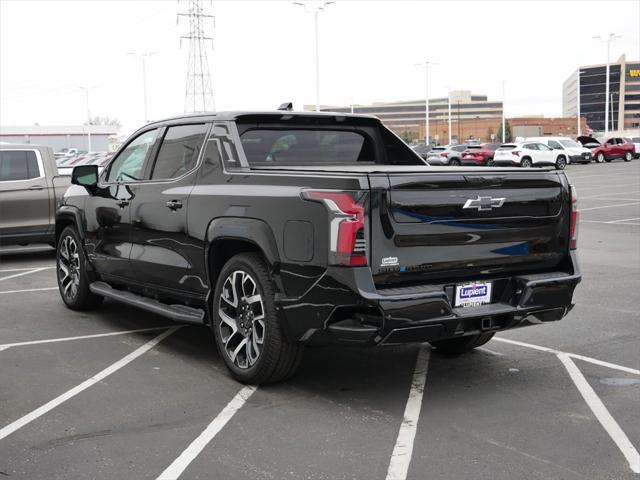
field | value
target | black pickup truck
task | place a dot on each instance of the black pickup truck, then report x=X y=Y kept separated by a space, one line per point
x=283 y=229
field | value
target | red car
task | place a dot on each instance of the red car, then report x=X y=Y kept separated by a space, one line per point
x=614 y=147
x=479 y=155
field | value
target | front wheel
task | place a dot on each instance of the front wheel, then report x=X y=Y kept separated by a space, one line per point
x=72 y=272
x=561 y=163
x=600 y=157
x=246 y=326
x=457 y=346
x=491 y=163
x=628 y=157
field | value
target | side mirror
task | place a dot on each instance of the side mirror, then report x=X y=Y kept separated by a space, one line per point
x=85 y=175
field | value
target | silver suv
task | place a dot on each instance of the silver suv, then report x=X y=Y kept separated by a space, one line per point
x=446 y=155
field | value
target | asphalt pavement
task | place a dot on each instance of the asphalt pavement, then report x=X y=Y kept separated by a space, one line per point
x=122 y=394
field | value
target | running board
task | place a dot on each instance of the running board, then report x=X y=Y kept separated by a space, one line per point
x=179 y=313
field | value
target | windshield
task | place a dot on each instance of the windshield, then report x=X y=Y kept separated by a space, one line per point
x=569 y=144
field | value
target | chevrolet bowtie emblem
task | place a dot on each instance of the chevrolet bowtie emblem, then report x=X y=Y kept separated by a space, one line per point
x=484 y=203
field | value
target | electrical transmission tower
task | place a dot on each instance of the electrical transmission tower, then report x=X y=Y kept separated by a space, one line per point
x=198 y=95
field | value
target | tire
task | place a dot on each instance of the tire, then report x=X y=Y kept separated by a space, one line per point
x=72 y=273
x=491 y=163
x=600 y=158
x=561 y=163
x=251 y=359
x=628 y=157
x=454 y=162
x=525 y=162
x=457 y=346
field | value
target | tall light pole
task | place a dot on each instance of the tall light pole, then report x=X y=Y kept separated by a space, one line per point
x=426 y=100
x=504 y=121
x=449 y=107
x=608 y=41
x=577 y=101
x=86 y=92
x=143 y=57
x=316 y=11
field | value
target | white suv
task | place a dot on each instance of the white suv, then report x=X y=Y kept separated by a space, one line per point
x=529 y=154
x=574 y=152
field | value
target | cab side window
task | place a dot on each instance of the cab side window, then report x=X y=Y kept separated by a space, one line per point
x=128 y=165
x=542 y=147
x=611 y=141
x=555 y=145
x=18 y=165
x=179 y=151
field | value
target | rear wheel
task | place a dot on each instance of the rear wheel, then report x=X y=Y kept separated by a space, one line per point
x=561 y=163
x=628 y=157
x=600 y=157
x=454 y=162
x=457 y=346
x=526 y=162
x=72 y=272
x=246 y=326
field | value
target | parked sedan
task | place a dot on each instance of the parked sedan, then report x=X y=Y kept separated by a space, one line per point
x=614 y=147
x=529 y=154
x=636 y=142
x=480 y=155
x=446 y=155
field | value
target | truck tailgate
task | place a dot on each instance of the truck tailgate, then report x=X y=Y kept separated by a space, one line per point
x=468 y=224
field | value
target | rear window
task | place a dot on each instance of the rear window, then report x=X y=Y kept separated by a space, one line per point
x=18 y=165
x=306 y=145
x=507 y=147
x=315 y=147
x=438 y=149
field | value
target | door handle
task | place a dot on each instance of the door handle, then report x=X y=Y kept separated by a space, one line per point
x=36 y=187
x=122 y=203
x=174 y=204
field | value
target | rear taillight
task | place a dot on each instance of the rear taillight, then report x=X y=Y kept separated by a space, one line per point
x=575 y=218
x=516 y=153
x=444 y=154
x=347 y=242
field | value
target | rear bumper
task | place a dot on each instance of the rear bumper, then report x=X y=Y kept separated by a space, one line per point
x=343 y=306
x=508 y=163
x=579 y=159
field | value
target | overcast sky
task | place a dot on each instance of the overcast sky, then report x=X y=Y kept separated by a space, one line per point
x=263 y=53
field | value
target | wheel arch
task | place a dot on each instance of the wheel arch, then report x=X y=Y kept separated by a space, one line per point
x=229 y=236
x=68 y=215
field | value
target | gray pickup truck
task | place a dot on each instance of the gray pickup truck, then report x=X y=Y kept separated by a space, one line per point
x=30 y=190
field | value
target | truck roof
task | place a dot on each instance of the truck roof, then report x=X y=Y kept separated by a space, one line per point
x=236 y=114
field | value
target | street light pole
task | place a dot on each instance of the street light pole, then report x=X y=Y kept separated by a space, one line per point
x=86 y=92
x=578 y=101
x=317 y=10
x=143 y=57
x=449 y=107
x=608 y=40
x=503 y=113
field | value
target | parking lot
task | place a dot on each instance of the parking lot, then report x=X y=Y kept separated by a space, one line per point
x=121 y=393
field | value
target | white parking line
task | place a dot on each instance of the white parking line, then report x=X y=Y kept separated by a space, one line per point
x=608 y=223
x=624 y=220
x=601 y=413
x=24 y=273
x=401 y=456
x=180 y=464
x=490 y=352
x=22 y=269
x=595 y=361
x=606 y=206
x=4 y=292
x=82 y=337
x=38 y=412
x=589 y=188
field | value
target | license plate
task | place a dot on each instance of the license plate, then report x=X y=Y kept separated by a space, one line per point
x=472 y=294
